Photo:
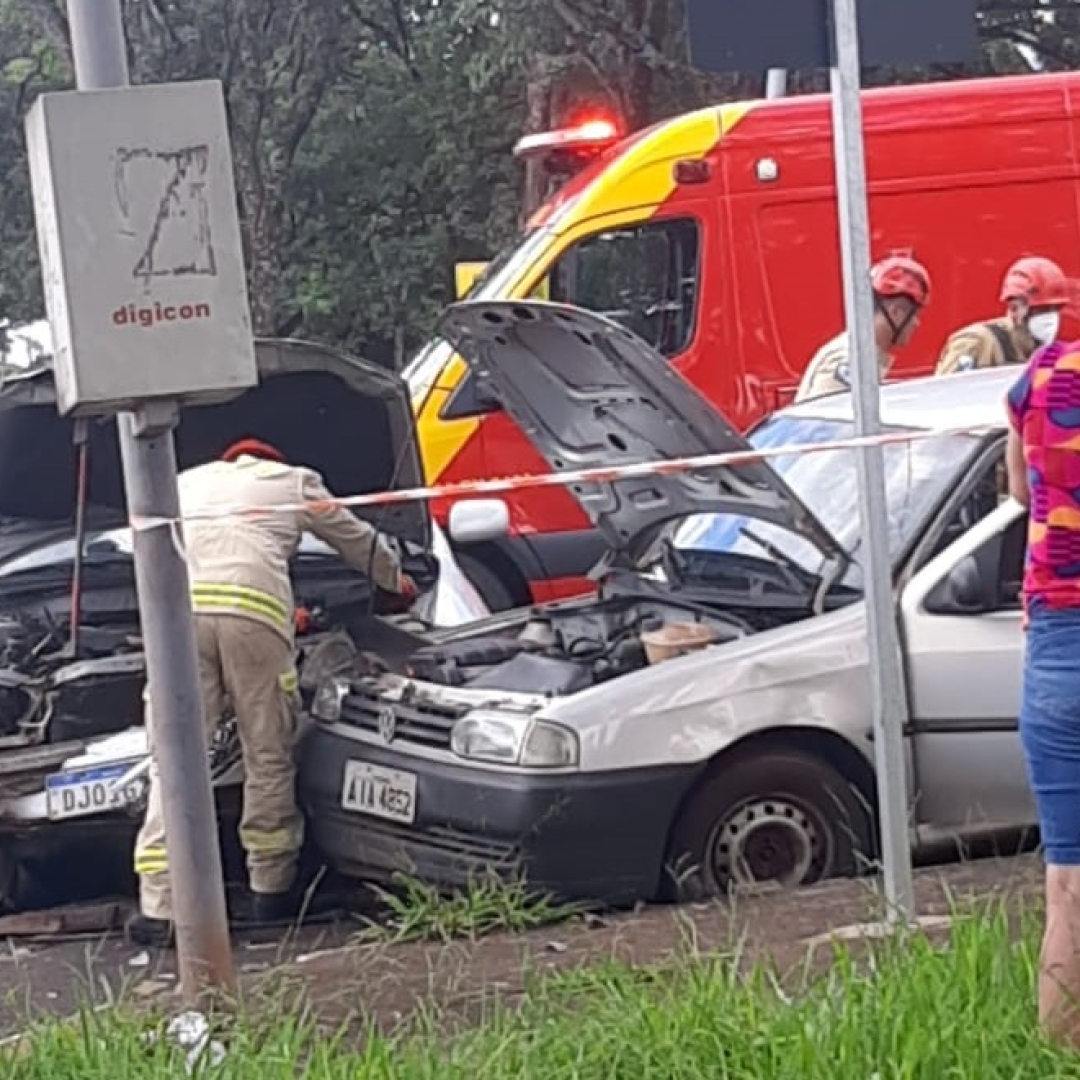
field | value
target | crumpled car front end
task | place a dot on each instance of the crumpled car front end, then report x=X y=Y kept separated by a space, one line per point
x=73 y=752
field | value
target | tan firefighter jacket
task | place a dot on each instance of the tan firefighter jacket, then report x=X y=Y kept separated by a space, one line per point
x=239 y=565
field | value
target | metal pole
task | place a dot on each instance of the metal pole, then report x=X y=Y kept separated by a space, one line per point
x=886 y=671
x=776 y=82
x=180 y=750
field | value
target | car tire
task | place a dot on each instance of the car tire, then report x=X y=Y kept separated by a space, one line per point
x=492 y=589
x=9 y=876
x=780 y=817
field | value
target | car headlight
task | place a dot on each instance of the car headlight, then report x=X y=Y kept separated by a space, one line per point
x=536 y=744
x=328 y=700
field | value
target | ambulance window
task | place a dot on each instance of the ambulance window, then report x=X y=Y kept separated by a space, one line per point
x=645 y=277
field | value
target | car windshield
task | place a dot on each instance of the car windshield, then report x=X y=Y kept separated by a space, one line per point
x=452 y=602
x=110 y=544
x=917 y=476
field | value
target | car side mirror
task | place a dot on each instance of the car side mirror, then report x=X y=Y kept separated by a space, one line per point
x=963 y=591
x=474 y=520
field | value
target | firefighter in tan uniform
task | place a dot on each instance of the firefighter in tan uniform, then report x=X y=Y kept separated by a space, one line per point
x=901 y=288
x=243 y=603
x=1034 y=291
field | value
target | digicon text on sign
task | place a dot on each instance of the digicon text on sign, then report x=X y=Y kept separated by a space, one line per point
x=145 y=316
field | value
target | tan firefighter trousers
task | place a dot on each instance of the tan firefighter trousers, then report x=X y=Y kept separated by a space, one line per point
x=245 y=666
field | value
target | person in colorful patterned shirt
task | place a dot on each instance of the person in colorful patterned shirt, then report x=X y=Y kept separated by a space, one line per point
x=1043 y=460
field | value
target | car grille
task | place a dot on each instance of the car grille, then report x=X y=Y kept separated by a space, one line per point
x=421 y=723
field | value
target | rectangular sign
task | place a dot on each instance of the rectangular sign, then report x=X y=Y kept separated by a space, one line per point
x=754 y=35
x=140 y=246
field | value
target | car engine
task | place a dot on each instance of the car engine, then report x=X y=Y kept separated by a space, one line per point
x=48 y=694
x=562 y=650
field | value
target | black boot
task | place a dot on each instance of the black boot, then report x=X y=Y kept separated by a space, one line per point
x=149 y=933
x=273 y=907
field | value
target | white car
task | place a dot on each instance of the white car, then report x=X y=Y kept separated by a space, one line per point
x=550 y=743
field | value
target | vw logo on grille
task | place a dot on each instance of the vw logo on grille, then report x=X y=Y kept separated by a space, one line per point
x=387 y=724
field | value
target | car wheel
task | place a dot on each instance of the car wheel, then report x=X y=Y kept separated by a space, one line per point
x=492 y=589
x=781 y=817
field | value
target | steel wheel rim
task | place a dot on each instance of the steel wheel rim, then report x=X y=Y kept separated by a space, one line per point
x=772 y=838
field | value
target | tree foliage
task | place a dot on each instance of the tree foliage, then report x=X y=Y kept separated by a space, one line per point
x=372 y=138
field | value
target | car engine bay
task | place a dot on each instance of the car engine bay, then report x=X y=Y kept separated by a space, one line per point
x=563 y=649
x=56 y=688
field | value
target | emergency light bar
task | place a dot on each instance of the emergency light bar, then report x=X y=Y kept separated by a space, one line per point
x=592 y=135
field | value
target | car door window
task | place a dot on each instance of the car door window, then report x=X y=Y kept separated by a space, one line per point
x=1011 y=566
x=986 y=581
x=984 y=494
x=646 y=277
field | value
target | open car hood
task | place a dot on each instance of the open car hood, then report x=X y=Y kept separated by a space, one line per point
x=349 y=419
x=589 y=393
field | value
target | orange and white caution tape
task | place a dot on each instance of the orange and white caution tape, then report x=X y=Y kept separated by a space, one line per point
x=595 y=475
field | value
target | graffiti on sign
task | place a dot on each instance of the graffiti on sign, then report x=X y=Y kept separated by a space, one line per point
x=165 y=205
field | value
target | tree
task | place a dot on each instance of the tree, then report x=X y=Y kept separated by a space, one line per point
x=29 y=64
x=372 y=138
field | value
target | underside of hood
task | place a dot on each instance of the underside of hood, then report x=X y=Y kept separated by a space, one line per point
x=349 y=419
x=589 y=393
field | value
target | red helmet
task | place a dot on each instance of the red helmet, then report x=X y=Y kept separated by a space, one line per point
x=1037 y=281
x=253 y=448
x=900 y=275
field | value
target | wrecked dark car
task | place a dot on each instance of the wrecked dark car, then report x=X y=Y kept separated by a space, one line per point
x=72 y=746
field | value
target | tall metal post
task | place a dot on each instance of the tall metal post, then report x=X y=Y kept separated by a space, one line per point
x=168 y=629
x=886 y=671
x=776 y=80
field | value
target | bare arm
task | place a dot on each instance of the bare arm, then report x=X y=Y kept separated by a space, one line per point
x=1017 y=468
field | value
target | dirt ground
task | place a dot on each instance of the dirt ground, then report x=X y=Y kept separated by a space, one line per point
x=344 y=982
x=389 y=982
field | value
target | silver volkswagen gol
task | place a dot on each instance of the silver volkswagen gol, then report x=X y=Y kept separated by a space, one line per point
x=703 y=721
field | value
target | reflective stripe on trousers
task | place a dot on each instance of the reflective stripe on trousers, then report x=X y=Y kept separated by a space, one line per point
x=207 y=598
x=151 y=860
x=246 y=665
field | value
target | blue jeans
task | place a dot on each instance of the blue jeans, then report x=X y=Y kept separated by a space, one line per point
x=1050 y=728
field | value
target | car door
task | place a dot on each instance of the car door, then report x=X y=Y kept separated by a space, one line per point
x=961 y=621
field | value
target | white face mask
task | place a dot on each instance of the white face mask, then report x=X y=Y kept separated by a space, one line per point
x=1044 y=326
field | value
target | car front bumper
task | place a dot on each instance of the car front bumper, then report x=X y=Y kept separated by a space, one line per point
x=580 y=836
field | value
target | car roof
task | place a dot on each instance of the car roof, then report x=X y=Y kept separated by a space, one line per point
x=974 y=399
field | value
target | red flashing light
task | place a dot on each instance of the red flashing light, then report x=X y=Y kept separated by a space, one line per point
x=596 y=130
x=585 y=137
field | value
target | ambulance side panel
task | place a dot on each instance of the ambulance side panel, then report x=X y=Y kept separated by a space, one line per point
x=969 y=181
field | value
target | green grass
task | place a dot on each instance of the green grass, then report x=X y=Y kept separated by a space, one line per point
x=417 y=912
x=907 y=1009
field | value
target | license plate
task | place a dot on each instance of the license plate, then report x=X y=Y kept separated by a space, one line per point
x=385 y=793
x=87 y=791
